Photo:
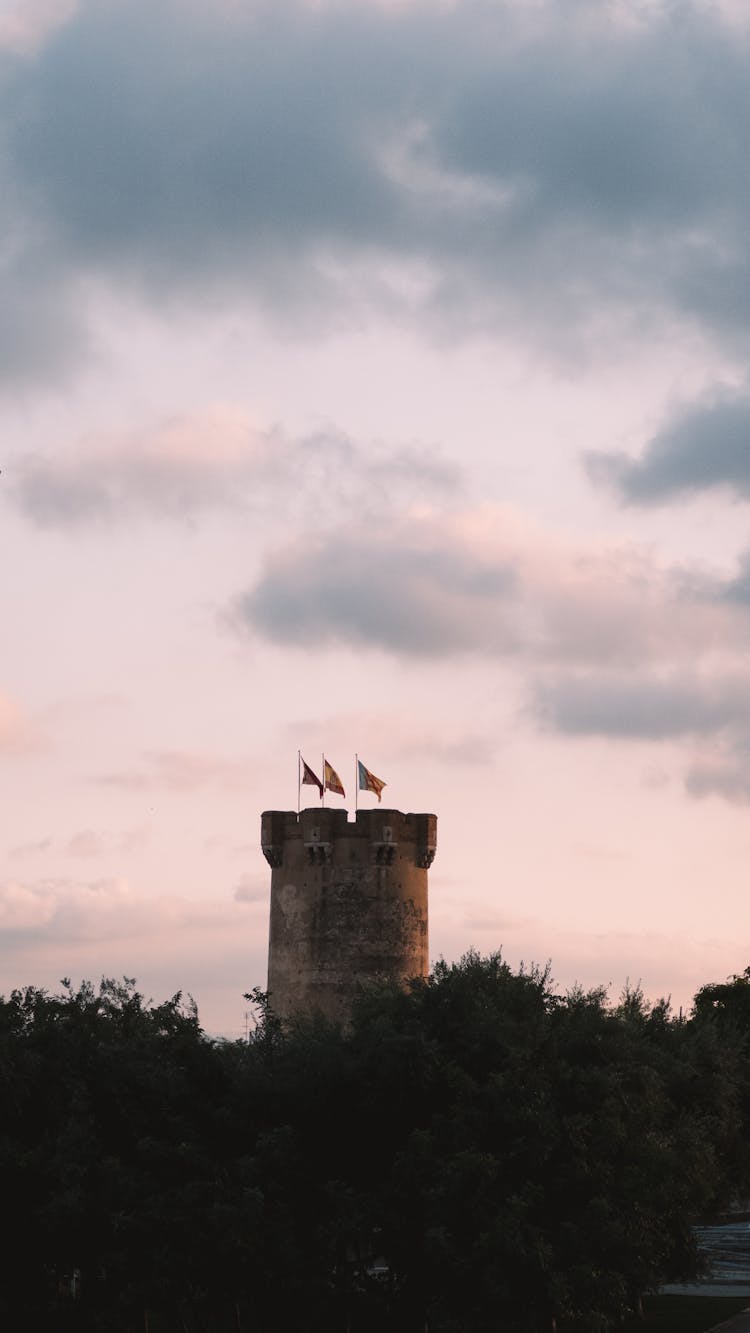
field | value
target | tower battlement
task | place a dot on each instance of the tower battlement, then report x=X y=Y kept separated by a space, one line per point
x=326 y=834
x=348 y=903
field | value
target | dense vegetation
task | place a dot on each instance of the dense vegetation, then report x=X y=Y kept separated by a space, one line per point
x=475 y=1154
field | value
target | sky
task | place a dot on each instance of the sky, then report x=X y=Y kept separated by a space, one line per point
x=374 y=379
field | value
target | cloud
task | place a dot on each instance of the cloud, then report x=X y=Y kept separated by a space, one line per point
x=85 y=844
x=89 y=843
x=43 y=335
x=608 y=641
x=738 y=589
x=726 y=775
x=219 y=460
x=65 y=906
x=104 y=909
x=643 y=707
x=407 y=737
x=182 y=771
x=484 y=582
x=250 y=889
x=109 y=926
x=704 y=447
x=25 y=849
x=406 y=591
x=474 y=748
x=25 y=25
x=18 y=734
x=540 y=169
x=224 y=845
x=709 y=714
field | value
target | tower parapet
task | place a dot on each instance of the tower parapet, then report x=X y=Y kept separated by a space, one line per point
x=348 y=903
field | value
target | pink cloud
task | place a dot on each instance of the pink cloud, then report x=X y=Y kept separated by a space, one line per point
x=89 y=928
x=406 y=734
x=192 y=464
x=18 y=734
x=25 y=24
x=182 y=771
x=252 y=889
x=488 y=582
x=90 y=843
x=35 y=848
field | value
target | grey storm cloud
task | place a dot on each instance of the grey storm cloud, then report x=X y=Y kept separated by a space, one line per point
x=705 y=446
x=533 y=169
x=641 y=708
x=417 y=596
x=445 y=582
x=738 y=589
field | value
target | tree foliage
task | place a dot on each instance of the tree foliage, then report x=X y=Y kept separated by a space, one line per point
x=473 y=1153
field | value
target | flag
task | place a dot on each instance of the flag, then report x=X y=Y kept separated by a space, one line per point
x=309 y=779
x=368 y=781
x=332 y=780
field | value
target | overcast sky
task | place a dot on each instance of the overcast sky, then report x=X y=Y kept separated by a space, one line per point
x=373 y=377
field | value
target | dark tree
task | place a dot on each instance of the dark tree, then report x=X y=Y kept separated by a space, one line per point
x=472 y=1153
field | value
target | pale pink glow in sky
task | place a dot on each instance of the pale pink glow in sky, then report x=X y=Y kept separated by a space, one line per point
x=24 y=24
x=373 y=378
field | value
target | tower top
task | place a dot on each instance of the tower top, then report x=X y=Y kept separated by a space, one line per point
x=376 y=834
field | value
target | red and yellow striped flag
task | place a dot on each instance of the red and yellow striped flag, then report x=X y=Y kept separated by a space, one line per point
x=332 y=780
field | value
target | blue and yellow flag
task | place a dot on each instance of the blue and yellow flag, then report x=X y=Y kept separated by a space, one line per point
x=368 y=781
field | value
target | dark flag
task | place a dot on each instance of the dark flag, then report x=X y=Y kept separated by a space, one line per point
x=309 y=779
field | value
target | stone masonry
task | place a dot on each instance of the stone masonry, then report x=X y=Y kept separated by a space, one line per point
x=348 y=904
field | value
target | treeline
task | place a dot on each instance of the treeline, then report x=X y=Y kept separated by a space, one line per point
x=476 y=1154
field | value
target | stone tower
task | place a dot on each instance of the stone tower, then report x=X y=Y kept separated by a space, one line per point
x=348 y=903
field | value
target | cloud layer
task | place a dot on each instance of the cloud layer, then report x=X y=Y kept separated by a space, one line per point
x=181 y=771
x=522 y=171
x=486 y=581
x=18 y=734
x=609 y=641
x=704 y=447
x=88 y=927
x=219 y=460
x=645 y=707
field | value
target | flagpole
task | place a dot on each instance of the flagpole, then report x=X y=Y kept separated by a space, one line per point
x=299 y=781
x=323 y=771
x=356 y=783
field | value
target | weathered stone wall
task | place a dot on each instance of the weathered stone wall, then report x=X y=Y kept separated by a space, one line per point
x=348 y=903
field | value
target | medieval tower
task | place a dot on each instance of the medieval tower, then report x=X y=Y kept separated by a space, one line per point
x=348 y=903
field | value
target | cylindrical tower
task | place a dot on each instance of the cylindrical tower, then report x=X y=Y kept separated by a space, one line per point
x=348 y=903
